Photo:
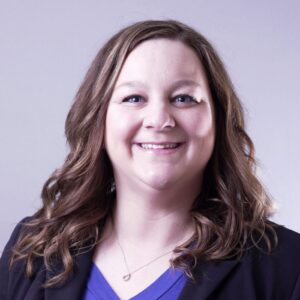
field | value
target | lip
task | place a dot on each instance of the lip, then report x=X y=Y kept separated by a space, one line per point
x=160 y=151
x=159 y=143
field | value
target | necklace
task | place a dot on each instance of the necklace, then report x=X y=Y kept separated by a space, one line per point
x=127 y=276
x=129 y=273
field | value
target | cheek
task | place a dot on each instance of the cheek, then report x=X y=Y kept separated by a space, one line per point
x=202 y=135
x=200 y=124
x=120 y=127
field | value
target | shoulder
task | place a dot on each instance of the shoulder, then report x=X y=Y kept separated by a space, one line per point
x=286 y=250
x=13 y=238
x=16 y=231
x=258 y=274
x=15 y=284
x=13 y=281
x=288 y=242
x=277 y=272
x=12 y=241
x=287 y=234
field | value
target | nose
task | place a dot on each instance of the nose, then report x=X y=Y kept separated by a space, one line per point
x=158 y=116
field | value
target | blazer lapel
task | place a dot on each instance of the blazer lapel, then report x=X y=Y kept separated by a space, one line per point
x=208 y=276
x=75 y=285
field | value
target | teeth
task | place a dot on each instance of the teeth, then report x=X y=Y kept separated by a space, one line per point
x=159 y=146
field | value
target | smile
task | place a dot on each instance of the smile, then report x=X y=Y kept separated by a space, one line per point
x=159 y=146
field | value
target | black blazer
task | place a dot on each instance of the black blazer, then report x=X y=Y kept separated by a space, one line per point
x=257 y=276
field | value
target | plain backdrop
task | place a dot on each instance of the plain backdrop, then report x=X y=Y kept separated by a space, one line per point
x=47 y=46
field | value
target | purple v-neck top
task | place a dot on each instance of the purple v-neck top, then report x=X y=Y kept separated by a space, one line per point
x=167 y=287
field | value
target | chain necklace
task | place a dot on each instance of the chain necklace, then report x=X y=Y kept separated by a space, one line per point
x=127 y=276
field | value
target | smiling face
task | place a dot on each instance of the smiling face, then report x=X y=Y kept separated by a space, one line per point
x=159 y=123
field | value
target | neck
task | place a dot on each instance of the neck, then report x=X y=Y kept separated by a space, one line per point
x=156 y=220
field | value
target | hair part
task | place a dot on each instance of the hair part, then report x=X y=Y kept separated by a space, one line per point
x=78 y=198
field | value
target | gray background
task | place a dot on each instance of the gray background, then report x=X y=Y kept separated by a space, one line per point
x=46 y=47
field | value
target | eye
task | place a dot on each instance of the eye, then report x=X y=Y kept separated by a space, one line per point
x=133 y=99
x=184 y=99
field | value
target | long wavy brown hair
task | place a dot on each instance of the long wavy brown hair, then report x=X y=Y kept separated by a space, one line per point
x=232 y=209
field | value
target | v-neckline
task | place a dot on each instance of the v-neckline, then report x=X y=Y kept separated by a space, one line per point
x=156 y=289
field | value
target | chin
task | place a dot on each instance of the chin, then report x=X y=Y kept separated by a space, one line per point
x=159 y=182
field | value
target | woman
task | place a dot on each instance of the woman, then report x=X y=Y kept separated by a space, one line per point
x=158 y=197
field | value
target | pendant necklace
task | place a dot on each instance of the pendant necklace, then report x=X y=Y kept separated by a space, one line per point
x=128 y=276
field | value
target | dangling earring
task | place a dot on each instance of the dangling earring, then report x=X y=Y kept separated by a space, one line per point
x=112 y=187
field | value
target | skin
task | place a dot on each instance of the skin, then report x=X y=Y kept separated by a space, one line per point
x=161 y=98
x=151 y=79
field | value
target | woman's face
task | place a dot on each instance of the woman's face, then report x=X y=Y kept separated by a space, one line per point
x=160 y=121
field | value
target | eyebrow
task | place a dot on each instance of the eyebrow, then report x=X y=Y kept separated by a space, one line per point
x=130 y=84
x=185 y=82
x=176 y=84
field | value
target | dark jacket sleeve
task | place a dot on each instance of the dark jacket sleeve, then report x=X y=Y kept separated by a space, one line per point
x=7 y=276
x=296 y=291
x=4 y=261
x=15 y=285
x=258 y=275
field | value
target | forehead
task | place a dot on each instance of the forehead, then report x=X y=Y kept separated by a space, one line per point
x=163 y=60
